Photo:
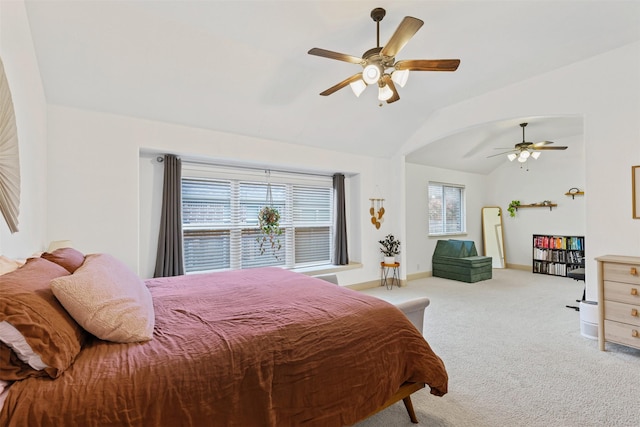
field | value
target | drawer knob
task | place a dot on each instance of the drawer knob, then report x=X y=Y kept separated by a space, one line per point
x=634 y=312
x=634 y=291
x=633 y=271
x=634 y=333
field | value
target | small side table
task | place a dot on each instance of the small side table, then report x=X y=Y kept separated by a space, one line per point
x=387 y=281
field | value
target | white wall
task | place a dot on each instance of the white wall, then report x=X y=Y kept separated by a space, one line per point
x=21 y=68
x=609 y=100
x=419 y=246
x=115 y=189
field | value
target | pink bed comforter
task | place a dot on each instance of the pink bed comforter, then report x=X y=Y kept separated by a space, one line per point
x=260 y=347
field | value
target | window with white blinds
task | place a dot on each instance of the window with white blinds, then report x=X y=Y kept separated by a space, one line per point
x=446 y=209
x=220 y=220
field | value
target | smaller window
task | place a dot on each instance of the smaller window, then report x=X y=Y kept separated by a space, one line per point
x=446 y=209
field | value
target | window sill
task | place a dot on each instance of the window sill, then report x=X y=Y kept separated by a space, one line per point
x=309 y=271
x=463 y=233
x=326 y=269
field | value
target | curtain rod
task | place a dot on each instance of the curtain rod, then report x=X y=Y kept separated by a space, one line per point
x=160 y=159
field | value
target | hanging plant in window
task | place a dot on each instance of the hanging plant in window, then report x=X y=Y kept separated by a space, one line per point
x=269 y=219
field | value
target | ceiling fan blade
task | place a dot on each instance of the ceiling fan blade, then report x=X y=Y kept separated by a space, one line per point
x=342 y=84
x=503 y=153
x=387 y=79
x=407 y=28
x=549 y=148
x=541 y=143
x=428 y=64
x=335 y=55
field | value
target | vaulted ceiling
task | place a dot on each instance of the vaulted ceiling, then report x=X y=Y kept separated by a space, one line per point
x=242 y=66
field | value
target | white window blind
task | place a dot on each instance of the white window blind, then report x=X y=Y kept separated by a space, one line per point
x=220 y=219
x=312 y=221
x=206 y=222
x=446 y=209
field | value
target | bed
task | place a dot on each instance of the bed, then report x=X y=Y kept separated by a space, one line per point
x=257 y=347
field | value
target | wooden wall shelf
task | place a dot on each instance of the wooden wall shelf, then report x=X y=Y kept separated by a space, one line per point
x=573 y=195
x=550 y=206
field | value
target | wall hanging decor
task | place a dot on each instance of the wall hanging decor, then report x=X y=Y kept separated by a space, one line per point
x=377 y=212
x=9 y=157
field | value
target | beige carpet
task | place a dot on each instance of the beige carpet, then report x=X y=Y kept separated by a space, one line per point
x=515 y=357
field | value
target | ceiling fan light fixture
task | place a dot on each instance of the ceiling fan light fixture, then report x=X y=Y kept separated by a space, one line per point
x=512 y=157
x=371 y=74
x=535 y=154
x=384 y=93
x=524 y=155
x=358 y=87
x=522 y=159
x=400 y=77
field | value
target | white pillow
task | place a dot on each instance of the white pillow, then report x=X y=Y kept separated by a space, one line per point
x=16 y=342
x=107 y=299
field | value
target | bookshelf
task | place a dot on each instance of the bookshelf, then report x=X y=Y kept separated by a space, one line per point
x=557 y=255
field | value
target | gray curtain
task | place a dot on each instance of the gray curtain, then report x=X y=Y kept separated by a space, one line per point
x=340 y=254
x=169 y=259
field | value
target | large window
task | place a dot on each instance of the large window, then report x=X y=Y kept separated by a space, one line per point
x=446 y=209
x=220 y=219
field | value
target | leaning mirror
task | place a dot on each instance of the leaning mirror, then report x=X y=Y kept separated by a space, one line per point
x=492 y=236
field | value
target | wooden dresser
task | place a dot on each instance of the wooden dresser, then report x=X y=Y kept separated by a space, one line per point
x=619 y=300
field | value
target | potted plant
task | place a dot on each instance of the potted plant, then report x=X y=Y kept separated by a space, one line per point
x=390 y=248
x=269 y=219
x=513 y=206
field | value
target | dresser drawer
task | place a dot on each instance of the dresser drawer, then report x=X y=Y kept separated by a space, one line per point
x=622 y=333
x=619 y=312
x=622 y=292
x=626 y=273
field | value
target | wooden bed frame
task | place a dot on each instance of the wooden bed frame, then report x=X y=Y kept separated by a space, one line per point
x=404 y=393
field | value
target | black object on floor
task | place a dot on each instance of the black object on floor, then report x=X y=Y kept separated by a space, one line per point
x=578 y=274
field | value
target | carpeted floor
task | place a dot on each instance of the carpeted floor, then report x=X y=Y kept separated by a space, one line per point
x=515 y=357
